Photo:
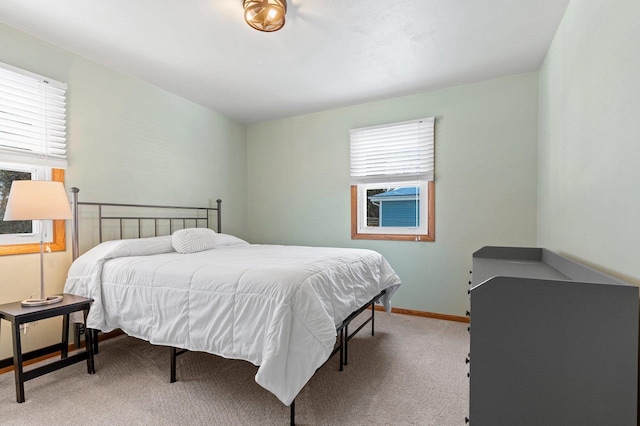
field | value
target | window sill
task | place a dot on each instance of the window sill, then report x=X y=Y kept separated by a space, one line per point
x=393 y=237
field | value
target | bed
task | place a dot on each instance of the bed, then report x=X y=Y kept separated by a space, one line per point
x=278 y=307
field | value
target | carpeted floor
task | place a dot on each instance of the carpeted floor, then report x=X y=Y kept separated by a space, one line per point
x=412 y=372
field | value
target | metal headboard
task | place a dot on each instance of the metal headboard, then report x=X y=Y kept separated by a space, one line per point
x=196 y=216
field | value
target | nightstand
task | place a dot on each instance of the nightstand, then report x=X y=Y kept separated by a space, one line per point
x=17 y=314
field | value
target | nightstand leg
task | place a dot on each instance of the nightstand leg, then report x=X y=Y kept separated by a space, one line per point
x=95 y=341
x=64 y=350
x=88 y=345
x=17 y=363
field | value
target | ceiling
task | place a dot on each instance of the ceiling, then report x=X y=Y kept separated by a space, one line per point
x=330 y=53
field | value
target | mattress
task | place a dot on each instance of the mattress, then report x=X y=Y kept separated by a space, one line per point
x=274 y=306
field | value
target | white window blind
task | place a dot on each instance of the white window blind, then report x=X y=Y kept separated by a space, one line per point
x=32 y=119
x=393 y=152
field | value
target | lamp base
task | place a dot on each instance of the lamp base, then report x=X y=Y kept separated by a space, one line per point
x=49 y=300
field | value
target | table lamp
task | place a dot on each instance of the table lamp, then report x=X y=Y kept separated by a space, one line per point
x=38 y=200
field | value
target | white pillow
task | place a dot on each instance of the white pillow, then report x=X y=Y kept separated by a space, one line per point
x=193 y=240
x=223 y=240
x=150 y=245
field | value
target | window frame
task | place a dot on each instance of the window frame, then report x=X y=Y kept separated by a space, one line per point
x=58 y=242
x=386 y=155
x=356 y=234
x=34 y=136
x=363 y=204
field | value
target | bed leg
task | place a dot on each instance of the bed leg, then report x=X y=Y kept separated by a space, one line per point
x=373 y=313
x=173 y=354
x=293 y=413
x=342 y=342
x=346 y=344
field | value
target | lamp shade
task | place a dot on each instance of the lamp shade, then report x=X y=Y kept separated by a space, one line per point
x=37 y=200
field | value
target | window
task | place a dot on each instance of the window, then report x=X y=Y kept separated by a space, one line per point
x=23 y=231
x=392 y=172
x=32 y=146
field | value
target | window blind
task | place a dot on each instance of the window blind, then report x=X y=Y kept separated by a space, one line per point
x=393 y=152
x=32 y=118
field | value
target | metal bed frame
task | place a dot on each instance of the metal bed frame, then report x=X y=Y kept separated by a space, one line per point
x=198 y=211
x=197 y=215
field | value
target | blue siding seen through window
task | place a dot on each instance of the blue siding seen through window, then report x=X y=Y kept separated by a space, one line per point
x=400 y=213
x=399 y=206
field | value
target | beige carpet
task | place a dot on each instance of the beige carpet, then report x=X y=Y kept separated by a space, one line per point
x=412 y=372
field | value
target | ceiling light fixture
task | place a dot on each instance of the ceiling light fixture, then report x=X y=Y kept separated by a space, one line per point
x=265 y=15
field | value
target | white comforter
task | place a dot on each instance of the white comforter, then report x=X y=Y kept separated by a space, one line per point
x=274 y=306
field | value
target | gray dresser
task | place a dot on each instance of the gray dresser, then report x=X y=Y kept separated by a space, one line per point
x=553 y=342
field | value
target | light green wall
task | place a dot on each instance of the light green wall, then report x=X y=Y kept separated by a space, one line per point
x=128 y=142
x=506 y=149
x=589 y=148
x=486 y=172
